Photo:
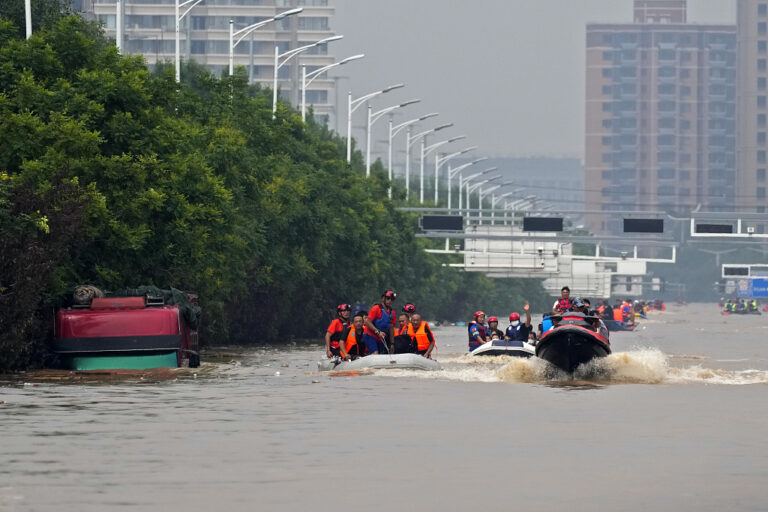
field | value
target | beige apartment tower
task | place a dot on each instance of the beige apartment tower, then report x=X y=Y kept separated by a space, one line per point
x=752 y=160
x=660 y=115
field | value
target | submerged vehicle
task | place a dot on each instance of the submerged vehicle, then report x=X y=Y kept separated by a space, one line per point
x=505 y=348
x=572 y=341
x=132 y=332
x=379 y=361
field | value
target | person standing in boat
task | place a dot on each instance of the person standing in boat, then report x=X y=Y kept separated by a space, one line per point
x=564 y=303
x=380 y=324
x=493 y=329
x=420 y=332
x=518 y=332
x=333 y=333
x=478 y=332
x=352 y=346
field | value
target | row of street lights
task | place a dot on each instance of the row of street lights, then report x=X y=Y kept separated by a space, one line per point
x=237 y=36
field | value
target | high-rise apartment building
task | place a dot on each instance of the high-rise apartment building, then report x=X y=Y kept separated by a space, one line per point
x=149 y=29
x=660 y=114
x=752 y=160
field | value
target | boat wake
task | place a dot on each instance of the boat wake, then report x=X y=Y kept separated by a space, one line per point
x=639 y=366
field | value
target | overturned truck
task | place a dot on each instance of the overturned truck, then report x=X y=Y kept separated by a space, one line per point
x=137 y=328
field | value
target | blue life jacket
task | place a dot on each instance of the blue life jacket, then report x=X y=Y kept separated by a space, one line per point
x=546 y=324
x=384 y=322
x=473 y=330
x=518 y=334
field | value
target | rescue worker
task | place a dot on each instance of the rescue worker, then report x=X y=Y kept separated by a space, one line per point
x=380 y=324
x=517 y=332
x=420 y=332
x=478 y=333
x=402 y=324
x=493 y=329
x=333 y=333
x=564 y=303
x=352 y=345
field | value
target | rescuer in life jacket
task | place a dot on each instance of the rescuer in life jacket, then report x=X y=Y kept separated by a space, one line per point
x=752 y=306
x=333 y=333
x=379 y=327
x=478 y=332
x=564 y=303
x=518 y=332
x=402 y=324
x=420 y=332
x=352 y=345
x=493 y=330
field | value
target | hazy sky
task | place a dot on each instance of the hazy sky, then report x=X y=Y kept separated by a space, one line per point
x=508 y=73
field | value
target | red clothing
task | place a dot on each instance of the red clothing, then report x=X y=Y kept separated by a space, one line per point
x=335 y=328
x=374 y=314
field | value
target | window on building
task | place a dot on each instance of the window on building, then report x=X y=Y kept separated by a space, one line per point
x=607 y=89
x=761 y=81
x=667 y=89
x=607 y=72
x=761 y=65
x=666 y=190
x=607 y=123
x=667 y=122
x=761 y=138
x=762 y=46
x=685 y=158
x=762 y=9
x=685 y=73
x=761 y=27
x=761 y=156
x=607 y=141
x=685 y=175
x=667 y=106
x=608 y=55
x=665 y=140
x=685 y=192
x=761 y=120
x=607 y=106
x=761 y=192
x=607 y=175
x=761 y=175
x=666 y=173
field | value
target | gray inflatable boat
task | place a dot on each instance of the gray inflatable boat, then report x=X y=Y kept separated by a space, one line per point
x=380 y=361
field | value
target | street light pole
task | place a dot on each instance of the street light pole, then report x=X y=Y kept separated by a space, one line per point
x=425 y=151
x=353 y=105
x=177 y=19
x=470 y=178
x=458 y=170
x=372 y=118
x=244 y=32
x=308 y=78
x=288 y=56
x=28 y=17
x=409 y=142
x=440 y=161
x=394 y=130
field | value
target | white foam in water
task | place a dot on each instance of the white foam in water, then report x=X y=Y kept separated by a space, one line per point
x=638 y=366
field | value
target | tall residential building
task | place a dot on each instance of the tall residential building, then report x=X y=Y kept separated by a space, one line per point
x=752 y=26
x=150 y=30
x=660 y=114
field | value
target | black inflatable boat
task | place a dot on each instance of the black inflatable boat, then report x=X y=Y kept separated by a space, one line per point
x=573 y=341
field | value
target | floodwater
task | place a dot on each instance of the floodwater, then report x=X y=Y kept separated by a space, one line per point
x=679 y=422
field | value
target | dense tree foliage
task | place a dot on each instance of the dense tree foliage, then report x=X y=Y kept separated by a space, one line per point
x=117 y=176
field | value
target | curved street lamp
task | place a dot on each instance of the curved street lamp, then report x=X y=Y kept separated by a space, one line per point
x=439 y=163
x=313 y=75
x=288 y=56
x=409 y=142
x=394 y=130
x=353 y=105
x=176 y=17
x=458 y=170
x=372 y=118
x=425 y=151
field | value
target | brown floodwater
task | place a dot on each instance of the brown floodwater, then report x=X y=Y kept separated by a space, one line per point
x=677 y=422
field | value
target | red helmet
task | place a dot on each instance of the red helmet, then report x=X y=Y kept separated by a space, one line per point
x=513 y=317
x=389 y=294
x=493 y=319
x=478 y=313
x=409 y=308
x=343 y=307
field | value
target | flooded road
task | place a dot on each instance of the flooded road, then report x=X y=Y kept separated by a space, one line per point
x=679 y=423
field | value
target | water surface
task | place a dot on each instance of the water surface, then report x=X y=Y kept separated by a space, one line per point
x=676 y=422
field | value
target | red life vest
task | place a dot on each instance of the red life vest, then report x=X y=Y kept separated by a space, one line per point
x=420 y=335
x=564 y=304
x=336 y=327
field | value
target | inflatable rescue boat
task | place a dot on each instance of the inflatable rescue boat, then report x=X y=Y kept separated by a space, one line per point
x=380 y=361
x=572 y=342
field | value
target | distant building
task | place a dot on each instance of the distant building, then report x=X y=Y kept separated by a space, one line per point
x=660 y=114
x=150 y=30
x=752 y=160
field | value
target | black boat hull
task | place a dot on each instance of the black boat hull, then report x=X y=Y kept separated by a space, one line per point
x=567 y=347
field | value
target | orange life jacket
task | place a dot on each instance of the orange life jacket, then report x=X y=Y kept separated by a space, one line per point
x=617 y=314
x=420 y=335
x=351 y=339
